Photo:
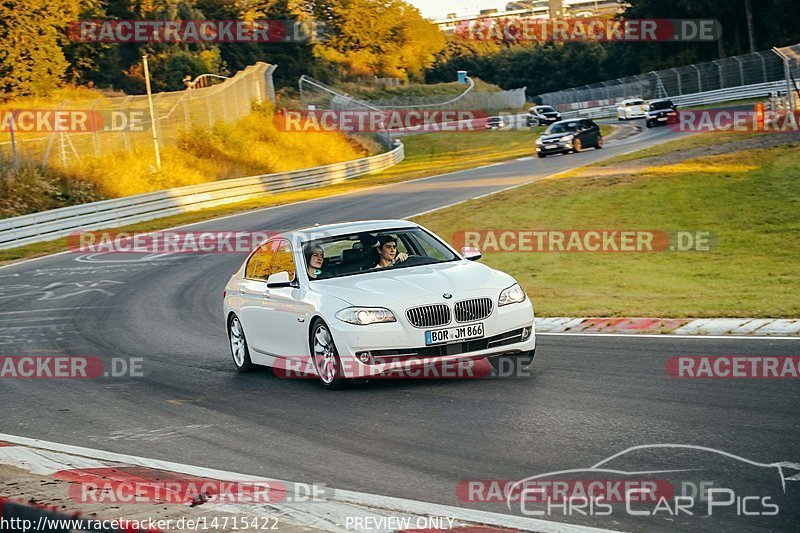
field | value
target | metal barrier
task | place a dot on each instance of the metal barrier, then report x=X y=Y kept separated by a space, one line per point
x=56 y=223
x=739 y=77
x=602 y=109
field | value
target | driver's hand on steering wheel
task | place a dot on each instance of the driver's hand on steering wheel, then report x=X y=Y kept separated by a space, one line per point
x=402 y=256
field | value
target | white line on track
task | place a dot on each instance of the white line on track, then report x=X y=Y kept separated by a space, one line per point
x=669 y=336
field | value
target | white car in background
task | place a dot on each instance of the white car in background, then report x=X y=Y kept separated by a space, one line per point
x=353 y=319
x=631 y=108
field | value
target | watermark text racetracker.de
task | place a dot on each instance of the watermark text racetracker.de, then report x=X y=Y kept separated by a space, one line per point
x=71 y=120
x=733 y=367
x=119 y=486
x=591 y=29
x=736 y=121
x=69 y=367
x=167 y=242
x=194 y=31
x=370 y=366
x=383 y=120
x=594 y=240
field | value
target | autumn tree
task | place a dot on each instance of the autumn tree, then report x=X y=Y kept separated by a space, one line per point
x=32 y=35
x=377 y=37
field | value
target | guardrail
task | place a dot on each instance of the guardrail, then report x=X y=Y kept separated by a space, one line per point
x=56 y=223
x=602 y=109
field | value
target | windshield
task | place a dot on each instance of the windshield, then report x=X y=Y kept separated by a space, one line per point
x=635 y=102
x=562 y=127
x=664 y=104
x=545 y=109
x=360 y=253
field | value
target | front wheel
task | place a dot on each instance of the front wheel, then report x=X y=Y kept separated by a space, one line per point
x=327 y=363
x=599 y=144
x=577 y=145
x=512 y=365
x=541 y=156
x=238 y=342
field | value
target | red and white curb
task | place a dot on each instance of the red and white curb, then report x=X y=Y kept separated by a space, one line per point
x=330 y=513
x=750 y=327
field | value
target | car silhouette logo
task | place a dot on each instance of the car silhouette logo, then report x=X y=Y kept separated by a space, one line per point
x=447 y=295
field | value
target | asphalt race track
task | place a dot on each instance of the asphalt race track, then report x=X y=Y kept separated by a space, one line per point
x=589 y=397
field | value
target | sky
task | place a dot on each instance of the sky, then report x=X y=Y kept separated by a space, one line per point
x=437 y=9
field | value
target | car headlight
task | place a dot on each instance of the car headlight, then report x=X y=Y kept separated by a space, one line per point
x=539 y=141
x=567 y=137
x=363 y=316
x=512 y=295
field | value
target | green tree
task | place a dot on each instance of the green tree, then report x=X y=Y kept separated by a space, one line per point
x=377 y=37
x=32 y=34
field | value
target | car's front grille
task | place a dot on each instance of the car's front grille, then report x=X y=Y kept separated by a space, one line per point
x=429 y=316
x=504 y=339
x=469 y=310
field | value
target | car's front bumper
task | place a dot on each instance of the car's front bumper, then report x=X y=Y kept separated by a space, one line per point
x=661 y=120
x=555 y=147
x=398 y=346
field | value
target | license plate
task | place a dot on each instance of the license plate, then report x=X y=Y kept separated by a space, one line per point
x=456 y=334
x=662 y=119
x=550 y=146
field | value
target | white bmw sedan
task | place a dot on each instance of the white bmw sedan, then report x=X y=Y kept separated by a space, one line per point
x=631 y=108
x=364 y=299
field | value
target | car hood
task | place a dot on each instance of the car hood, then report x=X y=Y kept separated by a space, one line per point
x=556 y=136
x=423 y=284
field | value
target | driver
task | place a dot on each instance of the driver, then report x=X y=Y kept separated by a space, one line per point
x=387 y=252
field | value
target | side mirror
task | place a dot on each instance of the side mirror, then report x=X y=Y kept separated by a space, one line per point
x=278 y=280
x=471 y=253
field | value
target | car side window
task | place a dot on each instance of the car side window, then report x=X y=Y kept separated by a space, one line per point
x=284 y=259
x=260 y=263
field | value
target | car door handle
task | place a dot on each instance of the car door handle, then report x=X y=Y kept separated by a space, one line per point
x=266 y=294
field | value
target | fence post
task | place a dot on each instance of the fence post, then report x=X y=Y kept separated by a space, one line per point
x=763 y=65
x=699 y=79
x=741 y=70
x=14 y=155
x=719 y=69
x=94 y=130
x=787 y=72
x=680 y=85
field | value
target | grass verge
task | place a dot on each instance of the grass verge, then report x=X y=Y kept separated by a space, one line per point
x=747 y=199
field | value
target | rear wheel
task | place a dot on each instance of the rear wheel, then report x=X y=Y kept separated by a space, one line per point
x=326 y=359
x=238 y=343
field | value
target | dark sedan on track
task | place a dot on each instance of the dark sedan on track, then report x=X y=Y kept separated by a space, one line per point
x=661 y=113
x=569 y=136
x=542 y=115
